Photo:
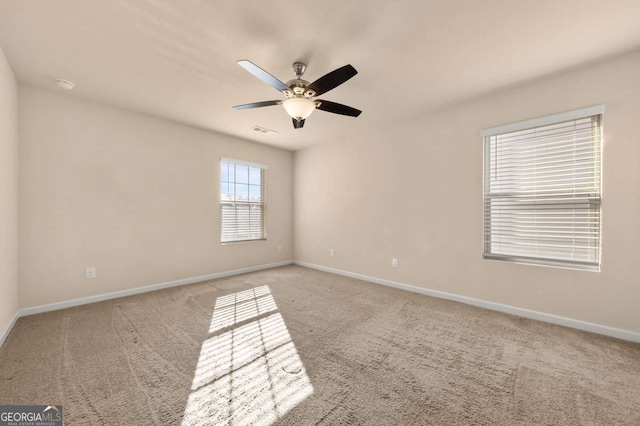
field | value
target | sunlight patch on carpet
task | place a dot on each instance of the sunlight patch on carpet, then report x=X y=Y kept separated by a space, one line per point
x=249 y=371
x=237 y=307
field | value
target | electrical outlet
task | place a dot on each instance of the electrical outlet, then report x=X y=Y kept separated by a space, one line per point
x=332 y=252
x=394 y=263
x=279 y=248
x=90 y=272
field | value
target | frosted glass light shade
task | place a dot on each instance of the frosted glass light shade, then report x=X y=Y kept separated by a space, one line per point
x=299 y=108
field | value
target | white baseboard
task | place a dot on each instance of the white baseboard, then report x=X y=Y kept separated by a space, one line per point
x=526 y=313
x=122 y=293
x=540 y=316
x=8 y=328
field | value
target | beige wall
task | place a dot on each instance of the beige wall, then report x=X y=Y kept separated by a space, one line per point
x=134 y=196
x=8 y=194
x=414 y=191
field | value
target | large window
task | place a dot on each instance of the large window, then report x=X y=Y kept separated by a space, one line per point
x=242 y=200
x=542 y=181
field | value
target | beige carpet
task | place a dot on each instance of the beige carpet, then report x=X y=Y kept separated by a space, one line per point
x=301 y=347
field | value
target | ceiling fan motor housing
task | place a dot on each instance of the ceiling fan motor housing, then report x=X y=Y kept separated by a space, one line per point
x=298 y=86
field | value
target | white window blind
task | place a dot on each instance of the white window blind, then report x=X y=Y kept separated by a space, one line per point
x=242 y=200
x=542 y=181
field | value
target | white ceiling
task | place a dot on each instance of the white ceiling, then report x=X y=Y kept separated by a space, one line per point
x=176 y=59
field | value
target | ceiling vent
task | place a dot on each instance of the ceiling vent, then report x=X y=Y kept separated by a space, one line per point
x=260 y=129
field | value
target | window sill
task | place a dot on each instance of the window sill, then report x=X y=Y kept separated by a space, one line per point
x=226 y=243
x=589 y=267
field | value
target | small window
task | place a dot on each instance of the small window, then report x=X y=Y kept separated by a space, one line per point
x=542 y=181
x=242 y=201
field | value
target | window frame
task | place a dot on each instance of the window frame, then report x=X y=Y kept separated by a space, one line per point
x=541 y=122
x=263 y=203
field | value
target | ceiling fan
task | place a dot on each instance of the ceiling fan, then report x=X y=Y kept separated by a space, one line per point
x=300 y=102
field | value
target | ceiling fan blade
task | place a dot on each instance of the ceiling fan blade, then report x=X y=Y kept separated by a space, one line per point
x=257 y=104
x=262 y=75
x=337 y=108
x=332 y=80
x=298 y=124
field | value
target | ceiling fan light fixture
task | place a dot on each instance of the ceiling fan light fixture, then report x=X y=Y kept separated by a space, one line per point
x=299 y=108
